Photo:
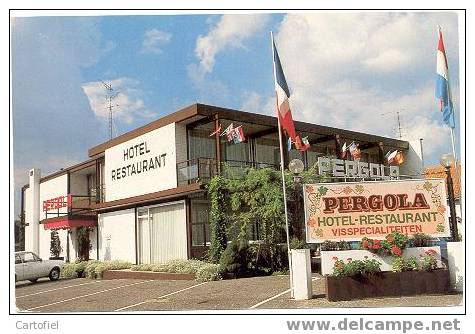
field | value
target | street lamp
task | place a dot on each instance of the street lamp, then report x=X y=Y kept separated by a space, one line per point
x=296 y=167
x=446 y=160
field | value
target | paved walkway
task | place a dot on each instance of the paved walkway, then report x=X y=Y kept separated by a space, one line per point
x=84 y=295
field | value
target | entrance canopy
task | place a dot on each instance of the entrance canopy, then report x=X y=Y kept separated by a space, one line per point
x=68 y=223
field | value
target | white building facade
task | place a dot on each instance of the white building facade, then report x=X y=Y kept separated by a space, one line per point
x=141 y=196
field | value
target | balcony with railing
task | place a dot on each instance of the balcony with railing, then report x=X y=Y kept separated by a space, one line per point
x=202 y=170
x=69 y=206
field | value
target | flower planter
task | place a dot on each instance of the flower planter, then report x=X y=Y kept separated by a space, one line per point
x=387 y=284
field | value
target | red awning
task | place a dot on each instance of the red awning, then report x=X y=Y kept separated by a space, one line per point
x=65 y=223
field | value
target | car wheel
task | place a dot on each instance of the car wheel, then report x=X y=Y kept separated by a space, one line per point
x=54 y=274
x=33 y=280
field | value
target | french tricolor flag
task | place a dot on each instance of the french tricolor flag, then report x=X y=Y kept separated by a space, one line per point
x=442 y=90
x=283 y=95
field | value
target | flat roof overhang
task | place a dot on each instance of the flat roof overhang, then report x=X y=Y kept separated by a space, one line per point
x=146 y=199
x=200 y=111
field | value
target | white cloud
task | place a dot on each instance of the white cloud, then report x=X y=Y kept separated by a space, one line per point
x=153 y=40
x=127 y=104
x=348 y=69
x=229 y=32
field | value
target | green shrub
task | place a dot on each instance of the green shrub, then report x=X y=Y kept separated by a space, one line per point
x=420 y=240
x=328 y=245
x=296 y=243
x=69 y=271
x=401 y=264
x=80 y=267
x=208 y=272
x=428 y=260
x=90 y=269
x=235 y=259
x=142 y=267
x=364 y=267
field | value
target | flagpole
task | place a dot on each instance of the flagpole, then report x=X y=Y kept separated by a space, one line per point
x=283 y=179
x=450 y=102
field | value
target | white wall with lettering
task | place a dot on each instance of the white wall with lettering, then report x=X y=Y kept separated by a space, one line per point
x=50 y=189
x=142 y=165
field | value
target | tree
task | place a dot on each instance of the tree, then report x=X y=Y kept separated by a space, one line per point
x=55 y=245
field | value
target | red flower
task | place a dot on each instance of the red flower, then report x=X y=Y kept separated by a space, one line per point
x=377 y=242
x=377 y=246
x=431 y=252
x=334 y=258
x=396 y=251
x=365 y=244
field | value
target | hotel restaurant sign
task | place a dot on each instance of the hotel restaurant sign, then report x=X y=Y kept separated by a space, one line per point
x=353 y=210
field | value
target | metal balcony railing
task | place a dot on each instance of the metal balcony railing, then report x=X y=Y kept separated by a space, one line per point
x=204 y=169
x=69 y=205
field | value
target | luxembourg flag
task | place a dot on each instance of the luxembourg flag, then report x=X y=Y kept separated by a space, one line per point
x=442 y=90
x=283 y=95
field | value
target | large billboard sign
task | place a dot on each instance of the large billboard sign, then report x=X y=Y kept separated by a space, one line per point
x=353 y=210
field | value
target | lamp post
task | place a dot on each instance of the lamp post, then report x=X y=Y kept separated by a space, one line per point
x=446 y=161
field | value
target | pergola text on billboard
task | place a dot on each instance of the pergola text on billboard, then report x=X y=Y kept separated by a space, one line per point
x=353 y=210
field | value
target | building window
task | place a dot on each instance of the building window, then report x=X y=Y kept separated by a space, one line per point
x=201 y=145
x=200 y=229
x=267 y=151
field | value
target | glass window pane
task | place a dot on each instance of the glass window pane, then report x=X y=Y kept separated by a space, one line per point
x=267 y=151
x=201 y=145
x=198 y=234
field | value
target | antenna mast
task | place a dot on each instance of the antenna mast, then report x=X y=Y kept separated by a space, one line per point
x=398 y=130
x=111 y=94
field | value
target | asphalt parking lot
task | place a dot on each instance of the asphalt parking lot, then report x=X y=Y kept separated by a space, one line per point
x=133 y=295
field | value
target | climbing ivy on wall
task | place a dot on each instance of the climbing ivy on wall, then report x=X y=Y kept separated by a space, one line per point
x=240 y=198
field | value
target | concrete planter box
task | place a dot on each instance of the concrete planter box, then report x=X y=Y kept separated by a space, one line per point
x=146 y=275
x=359 y=254
x=387 y=284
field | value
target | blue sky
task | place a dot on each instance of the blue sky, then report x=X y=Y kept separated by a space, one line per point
x=343 y=69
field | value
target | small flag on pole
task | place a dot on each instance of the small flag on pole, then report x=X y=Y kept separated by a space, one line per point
x=442 y=90
x=344 y=149
x=354 y=151
x=305 y=144
x=390 y=156
x=238 y=135
x=216 y=132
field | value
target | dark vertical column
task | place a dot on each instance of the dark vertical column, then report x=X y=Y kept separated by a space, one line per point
x=188 y=228
x=136 y=237
x=337 y=140
x=283 y=142
x=381 y=152
x=67 y=245
x=217 y=137
x=98 y=181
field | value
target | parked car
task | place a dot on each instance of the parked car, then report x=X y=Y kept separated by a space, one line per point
x=29 y=266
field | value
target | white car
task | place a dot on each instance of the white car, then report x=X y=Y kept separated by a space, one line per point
x=29 y=266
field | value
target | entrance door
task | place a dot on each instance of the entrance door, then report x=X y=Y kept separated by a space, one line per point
x=162 y=233
x=143 y=237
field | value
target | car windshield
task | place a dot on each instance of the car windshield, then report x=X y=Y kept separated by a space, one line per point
x=30 y=257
